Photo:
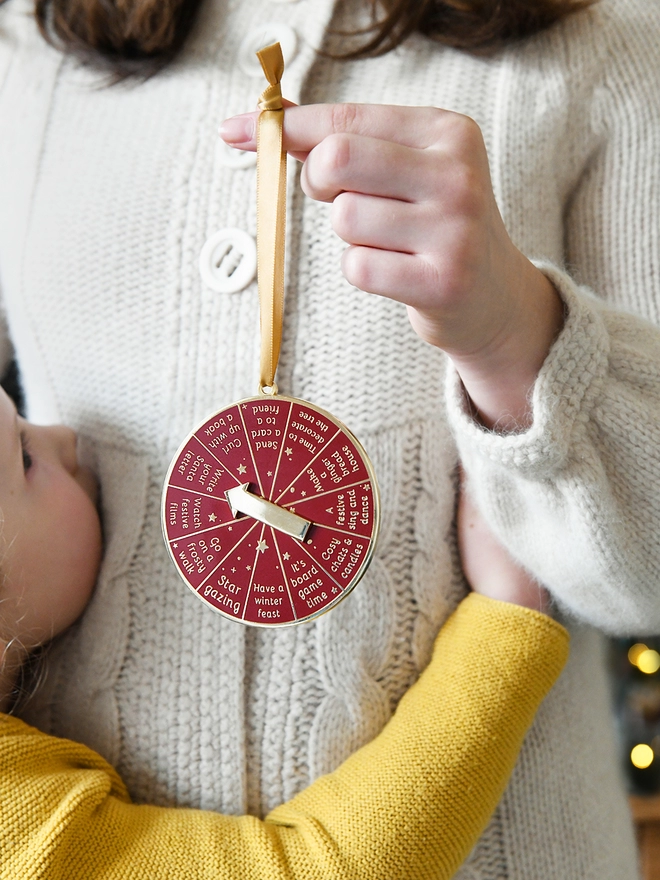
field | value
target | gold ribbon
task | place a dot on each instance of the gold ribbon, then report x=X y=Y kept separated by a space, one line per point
x=271 y=215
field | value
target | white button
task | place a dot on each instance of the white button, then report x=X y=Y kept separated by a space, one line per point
x=228 y=261
x=266 y=35
x=231 y=158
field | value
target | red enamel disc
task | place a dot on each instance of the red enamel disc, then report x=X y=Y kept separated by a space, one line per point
x=271 y=511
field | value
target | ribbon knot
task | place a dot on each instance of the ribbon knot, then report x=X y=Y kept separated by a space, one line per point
x=271 y=98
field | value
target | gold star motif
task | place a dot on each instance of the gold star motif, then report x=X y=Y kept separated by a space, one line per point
x=175 y=546
x=288 y=451
x=212 y=517
x=303 y=493
x=249 y=567
x=262 y=546
x=233 y=570
x=269 y=474
x=286 y=556
x=242 y=469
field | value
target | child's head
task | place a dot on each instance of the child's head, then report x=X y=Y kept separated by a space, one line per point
x=50 y=534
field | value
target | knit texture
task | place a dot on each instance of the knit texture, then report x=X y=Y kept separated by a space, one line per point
x=111 y=196
x=408 y=805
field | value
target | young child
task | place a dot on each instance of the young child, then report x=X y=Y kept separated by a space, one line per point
x=406 y=805
x=51 y=536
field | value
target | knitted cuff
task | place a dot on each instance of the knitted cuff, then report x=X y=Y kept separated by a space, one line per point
x=567 y=385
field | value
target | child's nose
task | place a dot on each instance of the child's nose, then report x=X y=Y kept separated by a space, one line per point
x=64 y=442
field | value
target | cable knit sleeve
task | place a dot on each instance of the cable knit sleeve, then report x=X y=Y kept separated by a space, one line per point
x=406 y=805
x=575 y=498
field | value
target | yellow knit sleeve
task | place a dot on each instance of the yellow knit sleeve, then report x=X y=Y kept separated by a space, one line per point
x=411 y=804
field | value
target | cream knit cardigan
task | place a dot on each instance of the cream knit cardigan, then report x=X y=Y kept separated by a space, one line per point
x=106 y=198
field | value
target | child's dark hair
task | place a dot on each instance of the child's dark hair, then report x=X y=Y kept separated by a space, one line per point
x=139 y=37
x=30 y=674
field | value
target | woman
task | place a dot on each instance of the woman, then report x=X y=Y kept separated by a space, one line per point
x=113 y=193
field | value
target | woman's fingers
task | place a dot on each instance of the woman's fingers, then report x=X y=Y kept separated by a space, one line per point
x=389 y=224
x=414 y=154
x=364 y=160
x=241 y=131
x=306 y=126
x=408 y=278
x=356 y=163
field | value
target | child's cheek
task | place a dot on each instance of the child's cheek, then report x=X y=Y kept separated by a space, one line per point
x=76 y=551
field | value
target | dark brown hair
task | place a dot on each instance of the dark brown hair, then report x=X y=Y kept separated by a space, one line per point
x=142 y=36
x=463 y=24
x=126 y=37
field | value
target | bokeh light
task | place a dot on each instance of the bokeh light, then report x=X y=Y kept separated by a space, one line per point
x=635 y=651
x=642 y=756
x=648 y=661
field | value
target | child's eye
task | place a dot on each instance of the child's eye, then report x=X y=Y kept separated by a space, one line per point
x=27 y=458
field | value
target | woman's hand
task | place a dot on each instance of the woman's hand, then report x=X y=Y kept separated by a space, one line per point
x=487 y=565
x=411 y=194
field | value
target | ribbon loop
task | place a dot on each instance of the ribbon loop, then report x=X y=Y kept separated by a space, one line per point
x=272 y=63
x=271 y=214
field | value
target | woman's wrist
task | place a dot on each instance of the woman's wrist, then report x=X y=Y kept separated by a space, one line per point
x=522 y=590
x=499 y=381
x=488 y=567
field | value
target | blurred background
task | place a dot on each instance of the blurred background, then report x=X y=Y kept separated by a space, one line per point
x=635 y=668
x=635 y=675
